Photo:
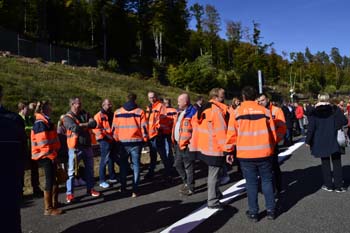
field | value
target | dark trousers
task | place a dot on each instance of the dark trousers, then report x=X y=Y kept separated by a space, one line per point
x=34 y=169
x=184 y=165
x=50 y=173
x=251 y=171
x=337 y=171
x=277 y=174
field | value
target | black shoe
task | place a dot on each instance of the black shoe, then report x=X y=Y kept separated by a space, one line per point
x=219 y=207
x=271 y=215
x=340 y=190
x=252 y=217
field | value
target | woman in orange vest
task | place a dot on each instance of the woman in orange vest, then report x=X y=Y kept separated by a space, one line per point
x=45 y=145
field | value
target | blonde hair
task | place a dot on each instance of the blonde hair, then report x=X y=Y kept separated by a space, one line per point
x=323 y=97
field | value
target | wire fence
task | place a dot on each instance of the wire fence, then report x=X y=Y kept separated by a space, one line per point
x=17 y=44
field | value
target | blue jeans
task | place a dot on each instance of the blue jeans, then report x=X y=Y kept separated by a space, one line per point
x=106 y=151
x=168 y=148
x=251 y=170
x=301 y=126
x=135 y=152
x=157 y=144
x=74 y=156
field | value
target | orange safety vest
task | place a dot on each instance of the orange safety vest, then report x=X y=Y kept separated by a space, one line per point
x=129 y=126
x=169 y=120
x=103 y=130
x=209 y=130
x=280 y=122
x=185 y=129
x=156 y=118
x=45 y=142
x=72 y=138
x=252 y=130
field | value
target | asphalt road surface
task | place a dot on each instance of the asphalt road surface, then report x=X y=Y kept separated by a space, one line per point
x=303 y=206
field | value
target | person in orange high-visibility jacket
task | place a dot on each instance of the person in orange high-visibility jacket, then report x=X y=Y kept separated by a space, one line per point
x=181 y=135
x=156 y=118
x=45 y=145
x=281 y=129
x=208 y=138
x=252 y=130
x=79 y=125
x=104 y=137
x=168 y=126
x=130 y=130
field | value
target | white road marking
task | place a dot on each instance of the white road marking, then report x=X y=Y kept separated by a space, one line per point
x=202 y=213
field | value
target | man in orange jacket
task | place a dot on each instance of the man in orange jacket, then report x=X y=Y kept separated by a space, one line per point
x=156 y=117
x=208 y=138
x=281 y=129
x=79 y=125
x=252 y=130
x=104 y=137
x=130 y=131
x=181 y=135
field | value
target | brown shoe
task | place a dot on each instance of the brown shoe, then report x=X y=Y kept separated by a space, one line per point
x=53 y=212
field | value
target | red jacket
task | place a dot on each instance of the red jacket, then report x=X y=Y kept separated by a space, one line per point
x=299 y=112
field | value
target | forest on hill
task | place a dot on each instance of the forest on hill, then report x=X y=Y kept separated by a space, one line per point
x=152 y=38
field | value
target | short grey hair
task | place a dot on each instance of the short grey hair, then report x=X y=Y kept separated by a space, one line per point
x=323 y=97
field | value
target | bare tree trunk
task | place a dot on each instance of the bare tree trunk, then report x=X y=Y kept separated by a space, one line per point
x=160 y=47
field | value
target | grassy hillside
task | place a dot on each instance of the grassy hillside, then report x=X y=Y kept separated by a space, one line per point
x=31 y=80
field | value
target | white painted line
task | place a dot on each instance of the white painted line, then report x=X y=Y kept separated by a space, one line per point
x=189 y=222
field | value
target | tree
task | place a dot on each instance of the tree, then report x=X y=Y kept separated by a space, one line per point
x=211 y=25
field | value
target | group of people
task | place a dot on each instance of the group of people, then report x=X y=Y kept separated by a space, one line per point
x=250 y=132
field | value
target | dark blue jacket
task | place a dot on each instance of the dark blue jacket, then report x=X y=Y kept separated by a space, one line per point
x=324 y=123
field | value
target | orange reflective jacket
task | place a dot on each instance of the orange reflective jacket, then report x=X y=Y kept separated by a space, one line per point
x=103 y=130
x=130 y=126
x=280 y=122
x=252 y=130
x=45 y=142
x=185 y=130
x=72 y=138
x=169 y=120
x=156 y=118
x=209 y=129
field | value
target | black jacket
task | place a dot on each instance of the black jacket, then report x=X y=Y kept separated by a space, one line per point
x=324 y=123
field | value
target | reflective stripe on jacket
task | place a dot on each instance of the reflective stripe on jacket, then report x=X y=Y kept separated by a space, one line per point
x=129 y=126
x=209 y=130
x=186 y=128
x=169 y=120
x=45 y=142
x=280 y=122
x=252 y=130
x=156 y=118
x=103 y=130
x=72 y=137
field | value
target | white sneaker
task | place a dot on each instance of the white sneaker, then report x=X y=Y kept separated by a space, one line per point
x=81 y=182
x=104 y=185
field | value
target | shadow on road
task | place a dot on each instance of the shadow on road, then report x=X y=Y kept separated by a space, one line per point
x=299 y=184
x=145 y=218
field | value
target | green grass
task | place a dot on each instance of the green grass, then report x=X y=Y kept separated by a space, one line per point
x=30 y=80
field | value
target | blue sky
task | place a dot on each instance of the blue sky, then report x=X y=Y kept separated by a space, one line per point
x=292 y=25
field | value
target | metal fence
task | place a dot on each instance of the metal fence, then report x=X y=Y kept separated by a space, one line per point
x=17 y=44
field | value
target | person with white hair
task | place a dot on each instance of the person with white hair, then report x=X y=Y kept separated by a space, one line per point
x=321 y=137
